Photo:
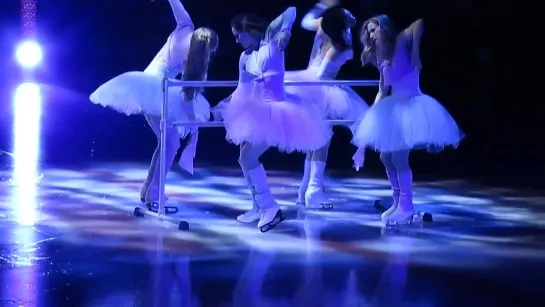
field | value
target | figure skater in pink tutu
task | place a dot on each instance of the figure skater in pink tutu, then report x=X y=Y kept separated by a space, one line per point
x=260 y=114
x=331 y=49
x=187 y=52
x=402 y=118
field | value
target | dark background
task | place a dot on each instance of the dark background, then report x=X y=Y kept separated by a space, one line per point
x=466 y=55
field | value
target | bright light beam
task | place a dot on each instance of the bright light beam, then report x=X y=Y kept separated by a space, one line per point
x=29 y=54
x=26 y=149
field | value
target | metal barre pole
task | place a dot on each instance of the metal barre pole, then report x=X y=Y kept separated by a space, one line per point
x=162 y=153
x=221 y=124
x=174 y=82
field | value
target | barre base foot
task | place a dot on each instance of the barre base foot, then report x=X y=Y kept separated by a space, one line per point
x=138 y=212
x=183 y=226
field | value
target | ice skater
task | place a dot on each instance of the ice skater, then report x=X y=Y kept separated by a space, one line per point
x=260 y=114
x=331 y=49
x=406 y=119
x=187 y=52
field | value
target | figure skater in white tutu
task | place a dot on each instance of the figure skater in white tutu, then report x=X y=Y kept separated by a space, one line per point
x=331 y=49
x=261 y=115
x=187 y=52
x=405 y=120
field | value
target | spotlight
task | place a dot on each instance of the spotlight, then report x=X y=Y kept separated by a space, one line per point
x=28 y=54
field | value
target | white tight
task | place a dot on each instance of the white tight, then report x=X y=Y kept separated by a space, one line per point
x=249 y=155
x=151 y=184
x=398 y=160
x=318 y=154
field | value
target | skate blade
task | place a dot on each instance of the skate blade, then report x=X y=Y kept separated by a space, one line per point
x=322 y=207
x=406 y=222
x=418 y=218
x=277 y=219
x=400 y=231
x=154 y=207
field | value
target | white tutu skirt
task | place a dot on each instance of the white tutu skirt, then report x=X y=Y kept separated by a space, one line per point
x=335 y=102
x=288 y=125
x=405 y=122
x=141 y=93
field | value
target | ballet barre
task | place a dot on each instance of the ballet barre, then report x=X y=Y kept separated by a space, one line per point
x=216 y=124
x=166 y=83
x=173 y=82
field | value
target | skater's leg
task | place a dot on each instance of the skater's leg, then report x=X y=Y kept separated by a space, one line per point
x=249 y=157
x=387 y=161
x=172 y=144
x=405 y=209
x=303 y=186
x=314 y=197
x=154 y=160
x=254 y=214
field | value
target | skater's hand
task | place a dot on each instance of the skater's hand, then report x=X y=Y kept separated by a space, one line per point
x=359 y=158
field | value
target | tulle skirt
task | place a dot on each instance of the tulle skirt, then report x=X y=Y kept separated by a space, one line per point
x=141 y=93
x=405 y=122
x=290 y=125
x=335 y=102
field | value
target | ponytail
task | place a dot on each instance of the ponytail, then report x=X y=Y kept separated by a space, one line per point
x=203 y=44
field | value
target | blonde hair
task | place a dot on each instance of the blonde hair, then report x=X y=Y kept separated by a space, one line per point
x=204 y=43
x=373 y=54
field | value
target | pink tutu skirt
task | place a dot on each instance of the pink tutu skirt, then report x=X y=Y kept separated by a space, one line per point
x=405 y=122
x=288 y=125
x=335 y=102
x=141 y=93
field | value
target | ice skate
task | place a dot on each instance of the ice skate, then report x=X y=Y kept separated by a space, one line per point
x=270 y=214
x=403 y=214
x=314 y=197
x=303 y=185
x=253 y=214
x=270 y=217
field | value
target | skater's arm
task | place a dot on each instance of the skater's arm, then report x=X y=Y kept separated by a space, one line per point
x=279 y=31
x=382 y=89
x=312 y=20
x=413 y=34
x=328 y=62
x=180 y=14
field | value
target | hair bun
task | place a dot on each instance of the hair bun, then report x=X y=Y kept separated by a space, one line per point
x=350 y=19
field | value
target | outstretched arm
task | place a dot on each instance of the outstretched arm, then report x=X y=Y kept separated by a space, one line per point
x=180 y=14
